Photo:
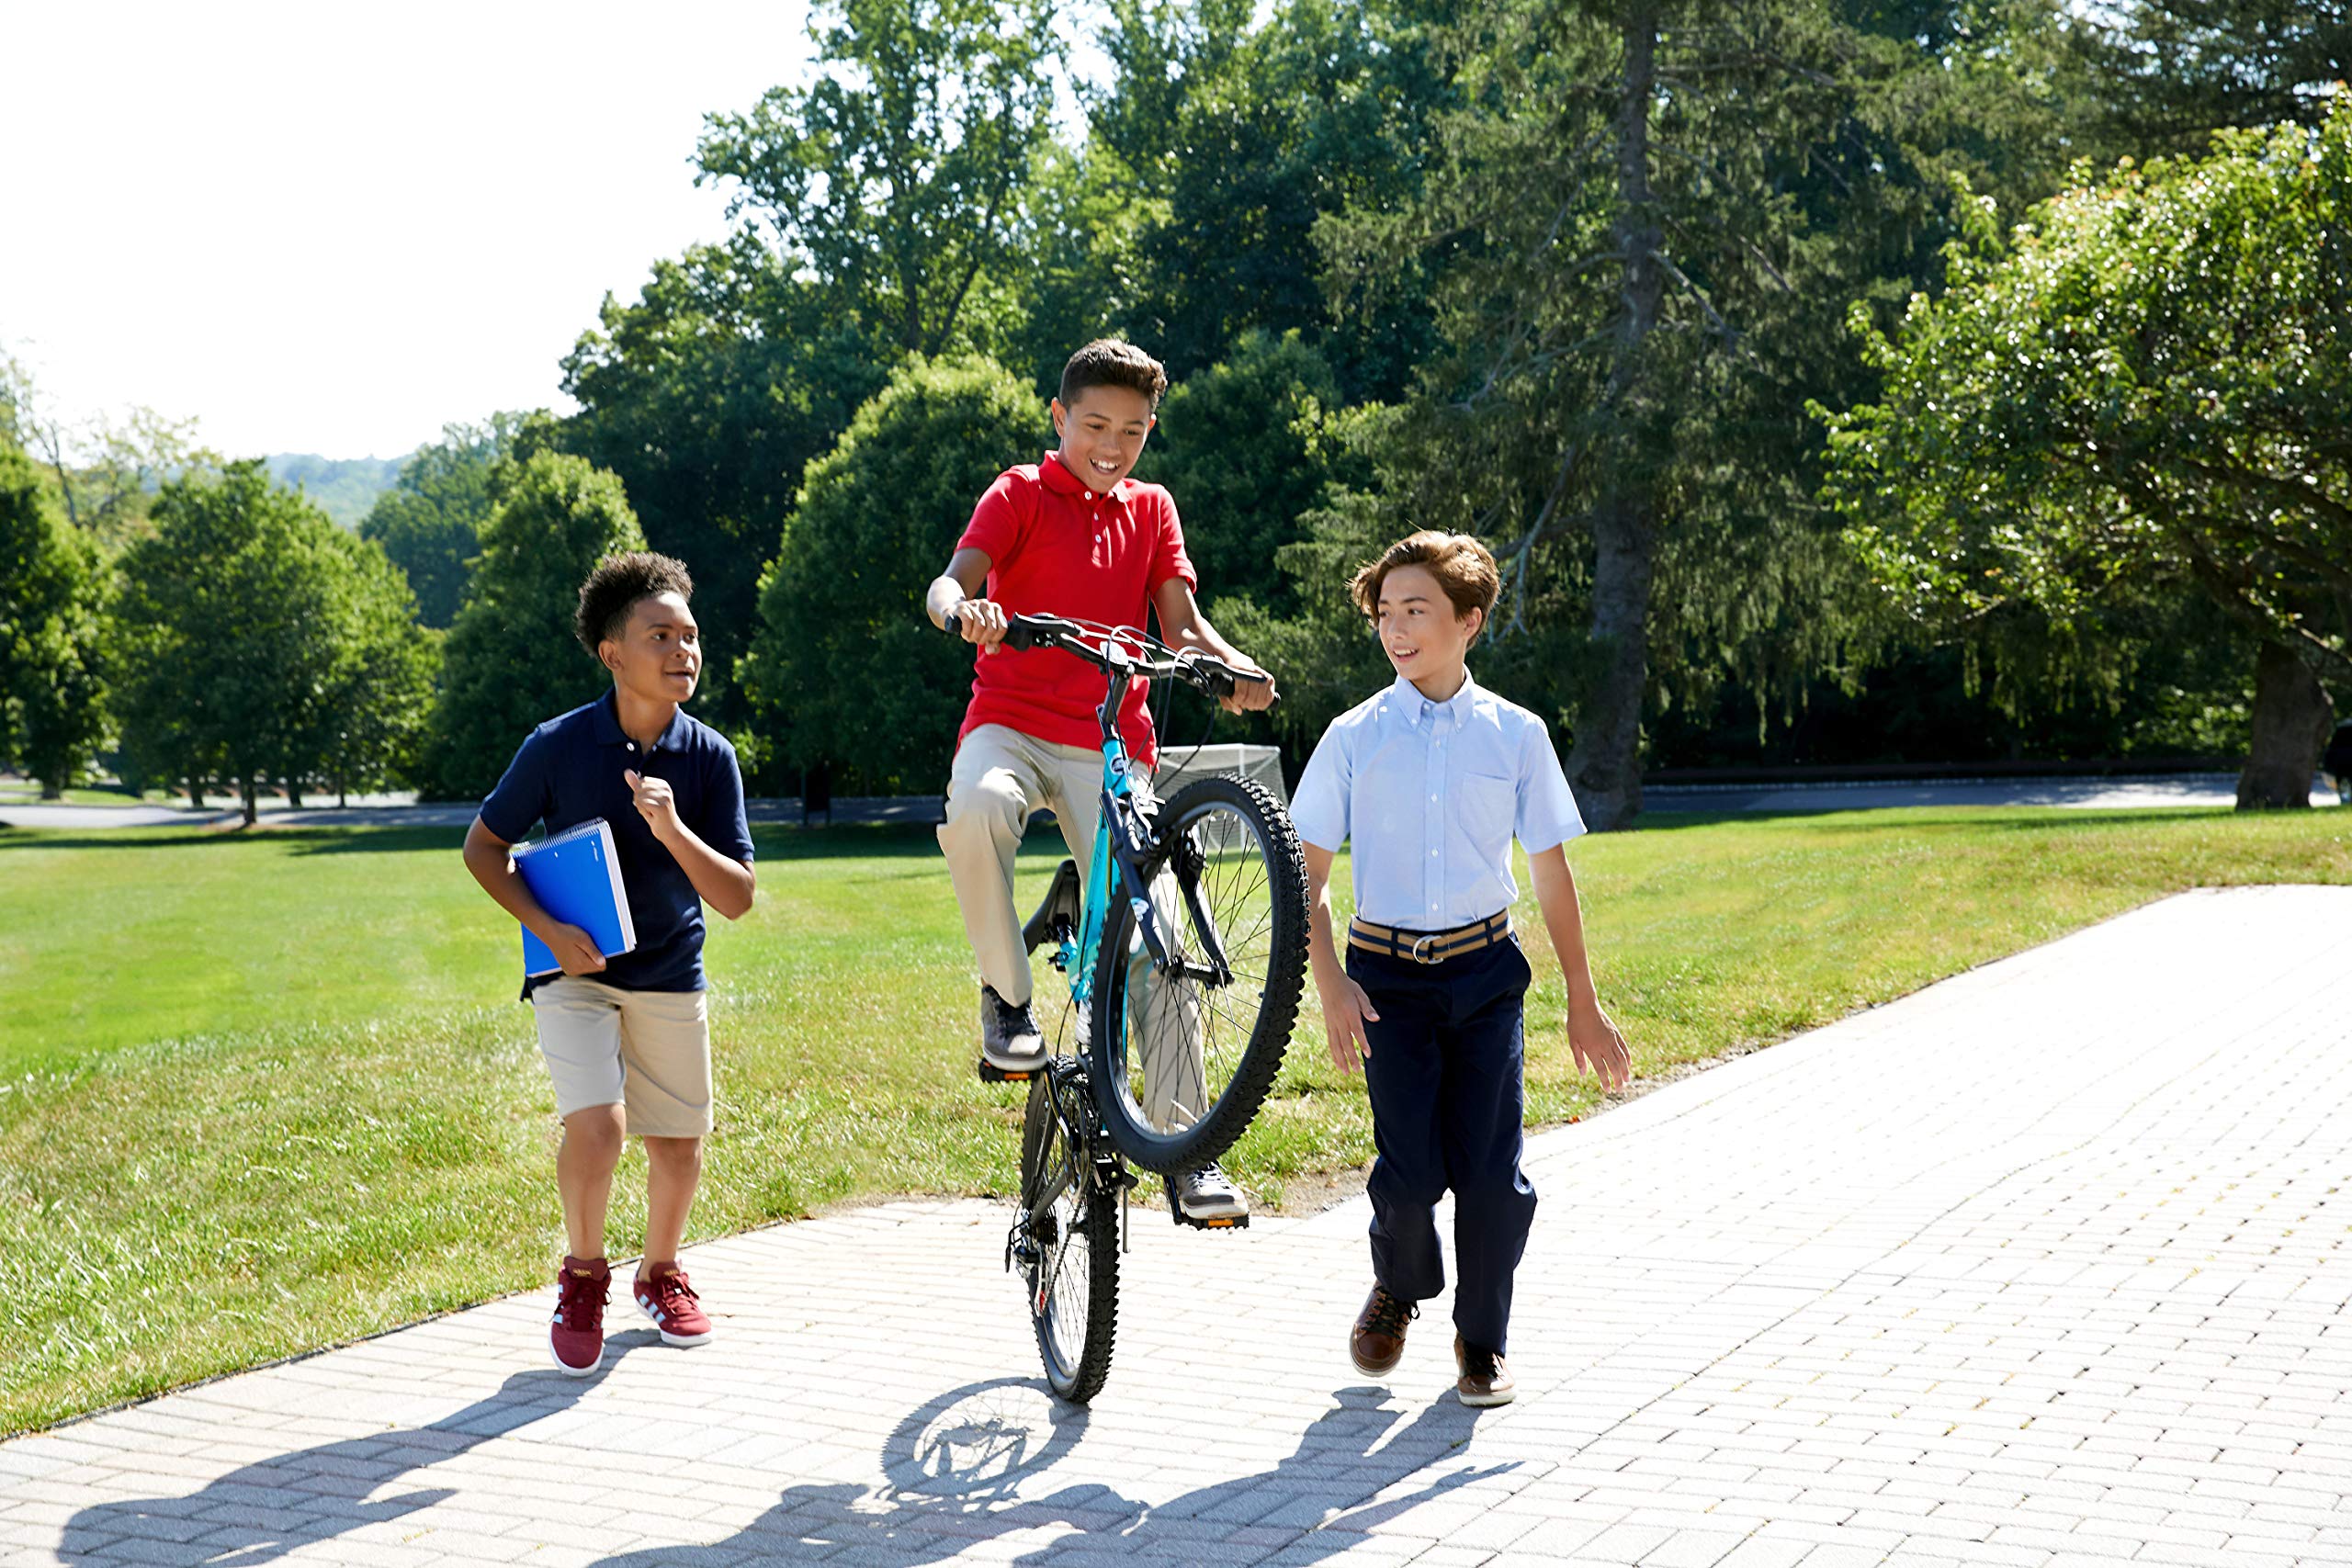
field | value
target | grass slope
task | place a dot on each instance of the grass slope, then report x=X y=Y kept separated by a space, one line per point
x=261 y=1092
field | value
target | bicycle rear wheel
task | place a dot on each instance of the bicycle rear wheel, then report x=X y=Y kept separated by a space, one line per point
x=1182 y=1054
x=1071 y=1270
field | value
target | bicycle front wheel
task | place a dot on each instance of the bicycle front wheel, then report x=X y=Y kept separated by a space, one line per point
x=1183 y=1053
x=1070 y=1270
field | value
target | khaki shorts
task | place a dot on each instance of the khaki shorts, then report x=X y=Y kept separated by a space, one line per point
x=648 y=1051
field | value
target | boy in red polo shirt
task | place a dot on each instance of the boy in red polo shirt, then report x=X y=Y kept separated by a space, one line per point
x=1072 y=536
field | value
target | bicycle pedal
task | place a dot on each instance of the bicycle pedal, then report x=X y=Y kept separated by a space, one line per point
x=1225 y=1223
x=991 y=1073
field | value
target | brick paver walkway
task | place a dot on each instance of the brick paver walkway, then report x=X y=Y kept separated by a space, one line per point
x=2046 y=1265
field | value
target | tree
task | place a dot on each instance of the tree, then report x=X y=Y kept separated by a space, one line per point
x=1246 y=448
x=845 y=670
x=2139 y=394
x=430 y=522
x=1237 y=140
x=52 y=698
x=512 y=660
x=1645 y=224
x=102 y=472
x=708 y=397
x=893 y=176
x=234 y=624
x=379 y=696
x=2172 y=72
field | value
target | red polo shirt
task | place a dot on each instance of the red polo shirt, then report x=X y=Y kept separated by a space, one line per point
x=1055 y=547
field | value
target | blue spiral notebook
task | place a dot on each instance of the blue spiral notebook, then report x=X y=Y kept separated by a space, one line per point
x=577 y=878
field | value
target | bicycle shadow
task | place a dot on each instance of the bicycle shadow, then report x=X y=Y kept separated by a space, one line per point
x=953 y=1468
x=265 y=1510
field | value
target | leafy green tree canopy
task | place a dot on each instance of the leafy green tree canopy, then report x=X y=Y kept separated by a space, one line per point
x=894 y=173
x=511 y=660
x=430 y=521
x=2172 y=72
x=845 y=669
x=53 y=697
x=237 y=624
x=2140 y=391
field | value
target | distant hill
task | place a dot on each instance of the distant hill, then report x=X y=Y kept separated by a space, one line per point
x=346 y=488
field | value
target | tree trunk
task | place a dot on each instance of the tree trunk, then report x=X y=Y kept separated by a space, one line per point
x=2293 y=718
x=196 y=792
x=1605 y=764
x=252 y=799
x=294 y=793
x=53 y=789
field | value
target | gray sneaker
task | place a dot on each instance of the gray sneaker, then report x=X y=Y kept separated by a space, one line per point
x=1206 y=1197
x=1009 y=1038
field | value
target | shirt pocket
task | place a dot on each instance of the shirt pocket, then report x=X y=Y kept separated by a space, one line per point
x=1488 y=808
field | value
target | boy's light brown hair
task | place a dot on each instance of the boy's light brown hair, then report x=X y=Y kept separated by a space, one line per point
x=1463 y=567
x=1109 y=361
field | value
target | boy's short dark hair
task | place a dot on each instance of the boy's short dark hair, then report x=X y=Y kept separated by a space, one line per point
x=1463 y=567
x=1108 y=362
x=614 y=589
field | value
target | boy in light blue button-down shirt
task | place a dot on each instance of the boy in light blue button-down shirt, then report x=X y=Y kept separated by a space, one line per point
x=1431 y=780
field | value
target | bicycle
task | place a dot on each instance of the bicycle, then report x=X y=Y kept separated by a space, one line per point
x=1184 y=949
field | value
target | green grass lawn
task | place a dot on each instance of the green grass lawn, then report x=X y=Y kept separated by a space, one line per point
x=260 y=1092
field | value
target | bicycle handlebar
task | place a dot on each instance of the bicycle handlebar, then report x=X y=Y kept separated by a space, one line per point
x=1094 y=645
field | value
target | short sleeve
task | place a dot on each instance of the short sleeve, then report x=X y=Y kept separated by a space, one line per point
x=724 y=826
x=522 y=796
x=1548 y=807
x=1318 y=809
x=995 y=527
x=1168 y=561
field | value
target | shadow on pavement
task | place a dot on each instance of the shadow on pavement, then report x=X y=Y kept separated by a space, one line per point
x=952 y=1468
x=265 y=1510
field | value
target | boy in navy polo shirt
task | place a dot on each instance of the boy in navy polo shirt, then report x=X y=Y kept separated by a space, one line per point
x=1070 y=534
x=1432 y=779
x=625 y=1036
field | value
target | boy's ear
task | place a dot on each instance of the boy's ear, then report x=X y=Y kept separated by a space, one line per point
x=1061 y=416
x=607 y=658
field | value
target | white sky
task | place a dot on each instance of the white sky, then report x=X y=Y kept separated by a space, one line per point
x=335 y=227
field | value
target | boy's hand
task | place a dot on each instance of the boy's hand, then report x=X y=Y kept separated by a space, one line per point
x=1598 y=1048
x=574 y=948
x=982 y=621
x=655 y=803
x=1345 y=1007
x=1251 y=696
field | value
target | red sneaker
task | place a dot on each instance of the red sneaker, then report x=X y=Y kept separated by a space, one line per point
x=666 y=1298
x=577 y=1337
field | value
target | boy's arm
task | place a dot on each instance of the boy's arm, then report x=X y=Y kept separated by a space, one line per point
x=1593 y=1039
x=727 y=886
x=1184 y=629
x=487 y=858
x=1345 y=1007
x=950 y=597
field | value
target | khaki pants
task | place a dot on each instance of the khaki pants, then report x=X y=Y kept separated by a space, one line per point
x=1001 y=776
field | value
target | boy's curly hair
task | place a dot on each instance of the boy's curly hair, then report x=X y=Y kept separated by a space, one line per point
x=613 y=590
x=1463 y=567
x=1109 y=361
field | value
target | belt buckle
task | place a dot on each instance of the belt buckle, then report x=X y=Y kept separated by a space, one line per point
x=1420 y=942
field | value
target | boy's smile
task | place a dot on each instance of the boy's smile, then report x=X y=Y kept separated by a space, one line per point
x=1422 y=633
x=658 y=656
x=1102 y=430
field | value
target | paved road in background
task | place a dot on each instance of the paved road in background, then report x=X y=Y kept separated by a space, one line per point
x=2088 y=794
x=2045 y=1266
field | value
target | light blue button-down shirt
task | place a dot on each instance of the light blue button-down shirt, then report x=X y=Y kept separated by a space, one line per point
x=1433 y=794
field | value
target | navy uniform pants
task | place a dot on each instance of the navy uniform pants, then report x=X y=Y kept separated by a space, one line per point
x=1447 y=1102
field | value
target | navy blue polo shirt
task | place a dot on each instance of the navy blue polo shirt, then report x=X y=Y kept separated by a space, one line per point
x=568 y=769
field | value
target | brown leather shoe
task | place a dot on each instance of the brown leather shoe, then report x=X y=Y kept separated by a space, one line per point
x=1485 y=1379
x=1378 y=1342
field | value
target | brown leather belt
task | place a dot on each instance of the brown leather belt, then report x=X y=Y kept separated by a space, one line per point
x=1430 y=947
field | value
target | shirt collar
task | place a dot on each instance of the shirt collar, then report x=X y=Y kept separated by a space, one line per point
x=1453 y=712
x=608 y=721
x=1061 y=481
